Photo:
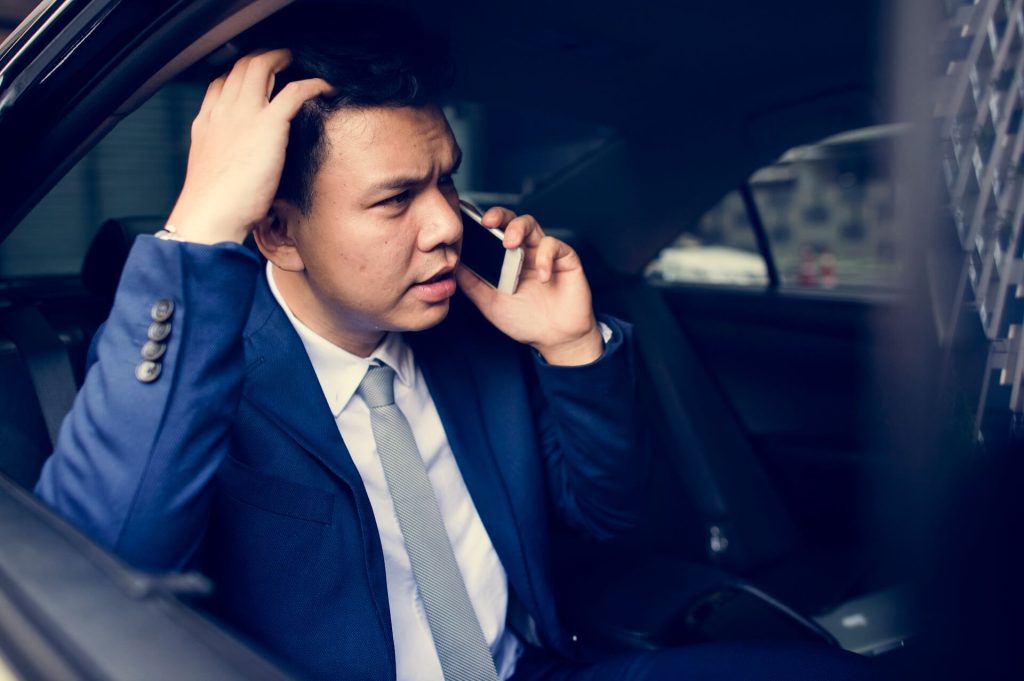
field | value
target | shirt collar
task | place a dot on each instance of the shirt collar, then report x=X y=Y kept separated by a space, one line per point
x=338 y=370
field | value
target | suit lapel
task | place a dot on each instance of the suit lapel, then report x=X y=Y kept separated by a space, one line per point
x=281 y=382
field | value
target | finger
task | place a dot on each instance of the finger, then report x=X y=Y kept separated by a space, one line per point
x=259 y=74
x=524 y=230
x=475 y=288
x=296 y=93
x=548 y=251
x=497 y=217
x=235 y=78
x=210 y=99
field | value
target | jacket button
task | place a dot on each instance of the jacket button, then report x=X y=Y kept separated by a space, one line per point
x=153 y=351
x=159 y=331
x=162 y=310
x=147 y=371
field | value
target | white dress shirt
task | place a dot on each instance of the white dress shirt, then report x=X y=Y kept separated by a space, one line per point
x=340 y=373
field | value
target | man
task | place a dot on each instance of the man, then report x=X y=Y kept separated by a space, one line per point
x=258 y=422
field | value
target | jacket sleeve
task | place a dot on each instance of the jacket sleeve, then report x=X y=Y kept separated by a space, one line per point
x=134 y=459
x=596 y=467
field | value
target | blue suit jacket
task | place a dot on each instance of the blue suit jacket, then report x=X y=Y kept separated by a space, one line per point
x=231 y=460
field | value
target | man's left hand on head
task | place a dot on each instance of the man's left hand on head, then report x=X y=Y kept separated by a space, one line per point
x=551 y=309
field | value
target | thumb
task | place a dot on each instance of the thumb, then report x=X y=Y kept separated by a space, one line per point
x=475 y=288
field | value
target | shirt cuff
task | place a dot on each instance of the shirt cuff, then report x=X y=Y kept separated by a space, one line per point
x=607 y=333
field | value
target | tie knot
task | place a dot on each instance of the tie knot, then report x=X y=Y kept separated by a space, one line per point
x=378 y=386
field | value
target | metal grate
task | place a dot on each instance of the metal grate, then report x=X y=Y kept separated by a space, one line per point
x=979 y=110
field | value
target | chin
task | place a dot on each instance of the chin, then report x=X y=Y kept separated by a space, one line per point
x=427 y=319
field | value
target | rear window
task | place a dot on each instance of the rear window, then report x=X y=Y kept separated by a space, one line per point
x=827 y=214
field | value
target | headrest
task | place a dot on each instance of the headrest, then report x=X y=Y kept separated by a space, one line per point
x=108 y=252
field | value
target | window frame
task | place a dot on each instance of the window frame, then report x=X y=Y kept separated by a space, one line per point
x=761 y=235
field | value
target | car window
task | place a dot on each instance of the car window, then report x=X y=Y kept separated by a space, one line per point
x=826 y=210
x=138 y=169
x=720 y=249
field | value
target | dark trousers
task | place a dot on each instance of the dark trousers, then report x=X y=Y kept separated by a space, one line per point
x=770 y=661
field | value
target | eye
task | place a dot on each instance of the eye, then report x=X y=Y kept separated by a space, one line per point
x=397 y=199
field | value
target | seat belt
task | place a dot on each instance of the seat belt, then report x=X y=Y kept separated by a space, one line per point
x=47 y=362
x=745 y=521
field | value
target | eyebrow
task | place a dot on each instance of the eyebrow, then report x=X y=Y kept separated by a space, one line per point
x=406 y=181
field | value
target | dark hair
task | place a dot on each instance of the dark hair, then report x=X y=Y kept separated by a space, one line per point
x=374 y=56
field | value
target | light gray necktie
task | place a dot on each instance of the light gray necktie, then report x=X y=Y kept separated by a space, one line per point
x=459 y=640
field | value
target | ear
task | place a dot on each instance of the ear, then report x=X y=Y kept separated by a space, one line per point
x=275 y=236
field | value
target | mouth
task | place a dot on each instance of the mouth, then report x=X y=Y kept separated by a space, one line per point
x=445 y=273
x=437 y=288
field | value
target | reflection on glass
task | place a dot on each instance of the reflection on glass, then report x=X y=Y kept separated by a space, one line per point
x=827 y=209
x=720 y=249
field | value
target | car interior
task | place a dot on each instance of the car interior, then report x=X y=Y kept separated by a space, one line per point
x=726 y=172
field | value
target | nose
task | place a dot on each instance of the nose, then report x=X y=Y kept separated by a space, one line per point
x=442 y=225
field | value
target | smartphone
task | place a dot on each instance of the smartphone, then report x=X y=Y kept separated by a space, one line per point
x=484 y=253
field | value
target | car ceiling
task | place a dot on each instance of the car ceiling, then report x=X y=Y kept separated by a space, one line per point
x=702 y=94
x=619 y=66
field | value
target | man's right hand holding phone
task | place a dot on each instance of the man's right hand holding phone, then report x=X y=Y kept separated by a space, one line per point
x=238 y=148
x=551 y=309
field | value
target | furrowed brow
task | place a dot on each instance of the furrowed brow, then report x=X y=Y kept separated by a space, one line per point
x=402 y=182
x=397 y=183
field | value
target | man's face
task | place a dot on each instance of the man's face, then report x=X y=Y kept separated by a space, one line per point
x=383 y=233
